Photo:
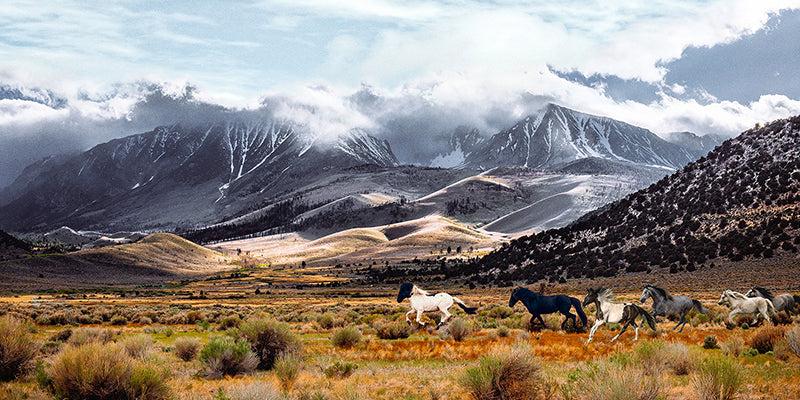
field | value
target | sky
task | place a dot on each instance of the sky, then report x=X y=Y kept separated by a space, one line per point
x=77 y=73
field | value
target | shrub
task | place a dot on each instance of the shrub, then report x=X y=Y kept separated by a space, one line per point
x=104 y=372
x=225 y=356
x=710 y=342
x=17 y=348
x=144 y=321
x=61 y=336
x=82 y=336
x=118 y=320
x=733 y=347
x=765 y=337
x=611 y=381
x=781 y=351
x=792 y=337
x=340 y=369
x=503 y=331
x=652 y=357
x=287 y=369
x=574 y=327
x=346 y=337
x=458 y=329
x=325 y=321
x=249 y=391
x=499 y=312
x=393 y=330
x=718 y=379
x=514 y=374
x=194 y=316
x=230 y=323
x=138 y=346
x=186 y=348
x=678 y=359
x=269 y=340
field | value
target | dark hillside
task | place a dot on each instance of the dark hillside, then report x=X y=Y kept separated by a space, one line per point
x=740 y=202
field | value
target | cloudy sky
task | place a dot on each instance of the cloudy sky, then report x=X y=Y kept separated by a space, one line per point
x=76 y=73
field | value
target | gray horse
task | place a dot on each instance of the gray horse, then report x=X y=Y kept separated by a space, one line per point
x=781 y=302
x=665 y=304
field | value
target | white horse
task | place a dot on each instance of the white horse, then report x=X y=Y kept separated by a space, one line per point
x=609 y=310
x=422 y=301
x=741 y=304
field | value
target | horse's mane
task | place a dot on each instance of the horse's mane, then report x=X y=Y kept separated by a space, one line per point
x=764 y=292
x=737 y=295
x=663 y=292
x=420 y=291
x=608 y=296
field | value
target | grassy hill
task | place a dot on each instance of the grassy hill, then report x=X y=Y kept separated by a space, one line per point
x=157 y=258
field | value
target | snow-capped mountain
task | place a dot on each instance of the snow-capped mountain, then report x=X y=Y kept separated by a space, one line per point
x=558 y=135
x=178 y=175
x=36 y=95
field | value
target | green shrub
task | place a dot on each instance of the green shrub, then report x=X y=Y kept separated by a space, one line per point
x=287 y=369
x=499 y=312
x=514 y=374
x=678 y=359
x=269 y=340
x=225 y=356
x=458 y=329
x=194 y=316
x=734 y=347
x=503 y=331
x=17 y=348
x=187 y=348
x=249 y=391
x=119 y=320
x=62 y=335
x=710 y=342
x=346 y=337
x=652 y=356
x=718 y=379
x=612 y=381
x=393 y=330
x=230 y=323
x=138 y=346
x=104 y=372
x=765 y=337
x=82 y=336
x=340 y=370
x=325 y=321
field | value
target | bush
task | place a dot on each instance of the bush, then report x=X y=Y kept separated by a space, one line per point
x=61 y=336
x=458 y=329
x=138 y=346
x=186 y=348
x=733 y=347
x=119 y=320
x=781 y=351
x=346 y=337
x=514 y=374
x=765 y=337
x=269 y=340
x=340 y=370
x=710 y=342
x=17 y=348
x=225 y=356
x=652 y=357
x=193 y=317
x=82 y=336
x=287 y=369
x=393 y=330
x=678 y=359
x=249 y=391
x=503 y=331
x=718 y=379
x=100 y=372
x=499 y=312
x=229 y=323
x=611 y=381
x=792 y=337
x=325 y=321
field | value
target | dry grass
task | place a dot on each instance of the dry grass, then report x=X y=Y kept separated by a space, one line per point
x=17 y=347
x=765 y=337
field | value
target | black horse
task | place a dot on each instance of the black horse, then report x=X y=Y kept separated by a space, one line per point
x=539 y=304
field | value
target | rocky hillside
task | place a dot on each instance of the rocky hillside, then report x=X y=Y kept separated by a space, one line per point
x=178 y=176
x=740 y=202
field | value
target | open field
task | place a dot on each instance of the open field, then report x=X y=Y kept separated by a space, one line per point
x=429 y=364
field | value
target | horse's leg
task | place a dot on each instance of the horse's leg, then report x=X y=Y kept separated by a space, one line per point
x=730 y=317
x=636 y=329
x=570 y=316
x=419 y=318
x=624 y=327
x=445 y=316
x=539 y=316
x=597 y=324
x=408 y=321
x=681 y=322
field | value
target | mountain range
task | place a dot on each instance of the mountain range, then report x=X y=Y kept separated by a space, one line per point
x=270 y=175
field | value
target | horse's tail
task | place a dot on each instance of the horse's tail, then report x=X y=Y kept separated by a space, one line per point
x=699 y=307
x=770 y=308
x=468 y=310
x=796 y=300
x=579 y=309
x=651 y=321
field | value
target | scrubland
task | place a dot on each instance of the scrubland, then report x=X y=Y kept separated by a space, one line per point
x=301 y=347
